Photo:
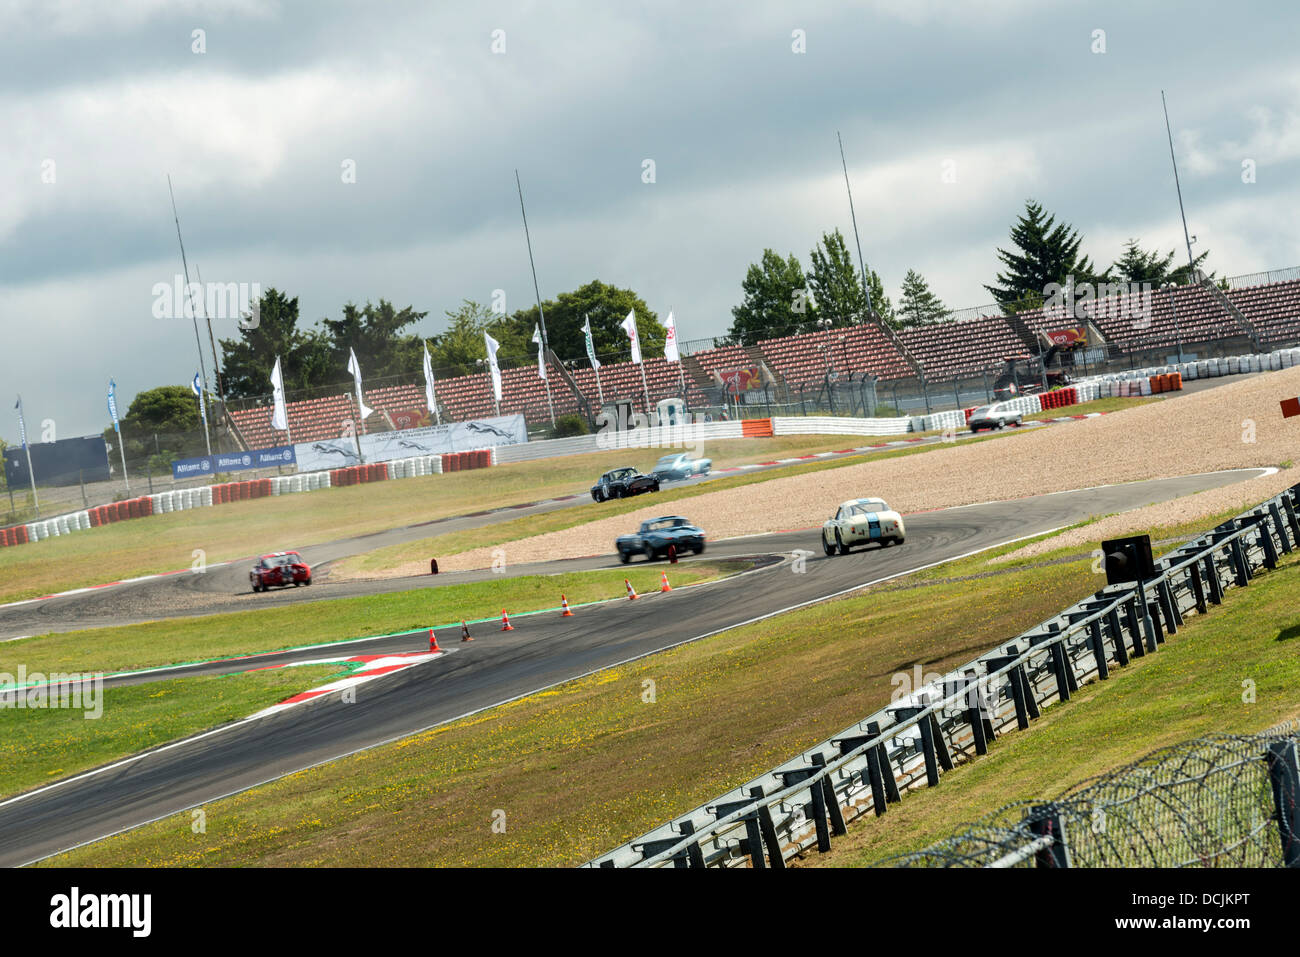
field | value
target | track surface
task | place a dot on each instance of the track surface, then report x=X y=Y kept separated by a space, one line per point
x=225 y=588
x=542 y=651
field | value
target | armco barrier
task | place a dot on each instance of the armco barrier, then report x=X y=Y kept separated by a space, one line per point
x=909 y=743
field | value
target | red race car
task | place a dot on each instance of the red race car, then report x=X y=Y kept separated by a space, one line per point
x=279 y=568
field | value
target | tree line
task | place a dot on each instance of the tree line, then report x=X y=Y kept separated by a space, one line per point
x=780 y=298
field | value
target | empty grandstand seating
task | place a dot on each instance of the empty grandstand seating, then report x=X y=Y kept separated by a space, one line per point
x=1132 y=321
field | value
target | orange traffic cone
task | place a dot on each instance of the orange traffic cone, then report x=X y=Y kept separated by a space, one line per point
x=564 y=603
x=464 y=631
x=433 y=642
x=505 y=621
x=631 y=592
x=664 y=580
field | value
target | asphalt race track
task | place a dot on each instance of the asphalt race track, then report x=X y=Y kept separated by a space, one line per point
x=542 y=651
x=225 y=587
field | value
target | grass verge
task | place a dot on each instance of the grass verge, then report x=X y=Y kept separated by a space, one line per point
x=588 y=765
x=173 y=641
x=40 y=745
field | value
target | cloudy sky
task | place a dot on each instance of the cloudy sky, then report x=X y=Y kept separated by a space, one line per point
x=434 y=109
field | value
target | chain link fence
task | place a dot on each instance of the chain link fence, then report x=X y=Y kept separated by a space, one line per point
x=1221 y=801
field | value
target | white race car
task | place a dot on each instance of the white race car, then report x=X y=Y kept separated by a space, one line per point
x=862 y=520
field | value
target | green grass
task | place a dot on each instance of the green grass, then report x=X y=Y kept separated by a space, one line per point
x=129 y=647
x=40 y=745
x=723 y=711
x=169 y=541
x=1195 y=686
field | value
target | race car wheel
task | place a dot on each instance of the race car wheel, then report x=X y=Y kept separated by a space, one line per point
x=625 y=557
x=827 y=547
x=699 y=549
x=656 y=487
x=307 y=582
x=255 y=588
x=839 y=543
x=900 y=541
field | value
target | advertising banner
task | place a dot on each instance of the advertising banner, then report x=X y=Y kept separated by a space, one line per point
x=1068 y=337
x=234 y=461
x=408 y=443
x=741 y=380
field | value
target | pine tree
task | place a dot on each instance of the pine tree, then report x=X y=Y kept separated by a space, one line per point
x=1138 y=265
x=917 y=305
x=1045 y=252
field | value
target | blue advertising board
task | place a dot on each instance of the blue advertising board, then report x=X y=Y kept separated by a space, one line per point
x=234 y=461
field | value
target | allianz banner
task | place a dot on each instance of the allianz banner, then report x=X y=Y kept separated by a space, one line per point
x=408 y=443
x=234 y=461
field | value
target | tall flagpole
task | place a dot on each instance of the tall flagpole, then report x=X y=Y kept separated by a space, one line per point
x=536 y=292
x=31 y=474
x=193 y=313
x=1191 y=262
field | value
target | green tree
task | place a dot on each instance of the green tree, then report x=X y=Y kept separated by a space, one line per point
x=607 y=306
x=376 y=333
x=918 y=306
x=884 y=308
x=1044 y=252
x=456 y=351
x=836 y=289
x=305 y=356
x=1139 y=265
x=160 y=425
x=776 y=300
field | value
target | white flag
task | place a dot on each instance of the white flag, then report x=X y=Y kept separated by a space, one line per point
x=541 y=358
x=429 y=399
x=670 y=341
x=355 y=368
x=492 y=347
x=279 y=414
x=629 y=326
x=591 y=346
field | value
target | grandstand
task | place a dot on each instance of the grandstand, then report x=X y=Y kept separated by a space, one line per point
x=1129 y=323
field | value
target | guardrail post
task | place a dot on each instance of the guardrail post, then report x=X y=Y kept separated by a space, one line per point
x=1169 y=605
x=1018 y=695
x=886 y=772
x=1212 y=579
x=694 y=856
x=1045 y=821
x=1285 y=539
x=1059 y=667
x=1266 y=539
x=1117 y=637
x=832 y=802
x=1198 y=588
x=1134 y=625
x=818 y=804
x=981 y=728
x=1284 y=776
x=1289 y=507
x=753 y=839
x=1239 y=563
x=927 y=742
x=768 y=830
x=1155 y=634
x=1098 y=647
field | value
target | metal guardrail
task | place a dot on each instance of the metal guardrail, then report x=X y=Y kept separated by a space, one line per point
x=907 y=744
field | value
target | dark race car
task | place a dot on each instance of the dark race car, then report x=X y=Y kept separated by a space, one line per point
x=620 y=483
x=280 y=569
x=656 y=535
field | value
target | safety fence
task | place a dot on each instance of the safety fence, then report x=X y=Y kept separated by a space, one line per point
x=909 y=743
x=1222 y=801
